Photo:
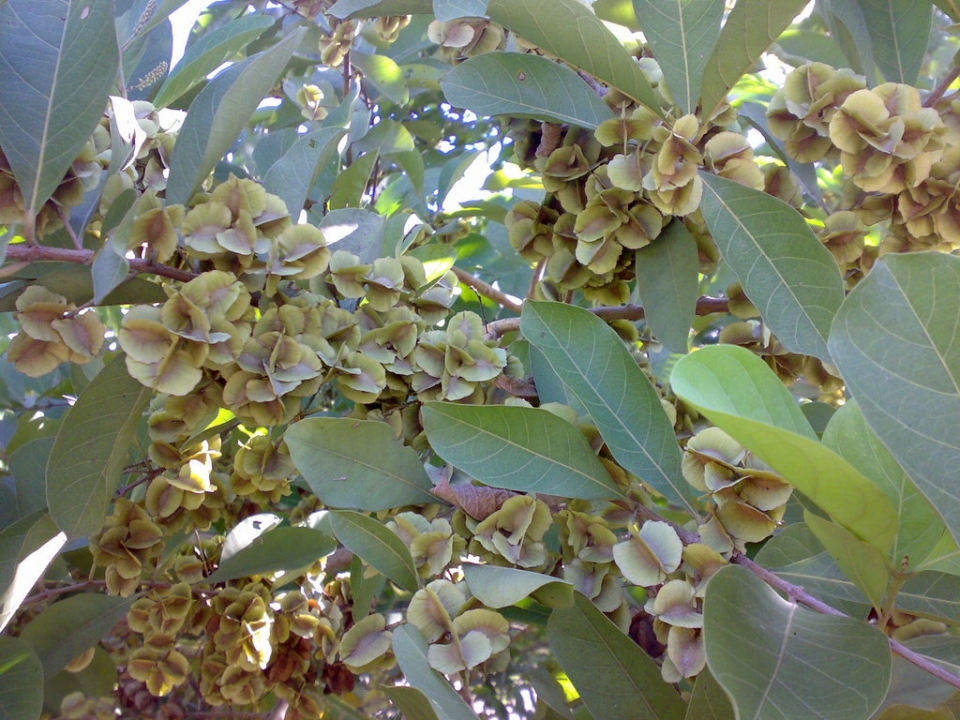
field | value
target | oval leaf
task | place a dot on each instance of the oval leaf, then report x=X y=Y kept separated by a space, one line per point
x=92 y=448
x=334 y=456
x=69 y=627
x=895 y=342
x=280 y=549
x=668 y=283
x=410 y=649
x=762 y=649
x=784 y=268
x=518 y=448
x=219 y=113
x=739 y=393
x=615 y=678
x=379 y=547
x=500 y=587
x=53 y=87
x=570 y=30
x=208 y=53
x=682 y=34
x=21 y=680
x=902 y=29
x=26 y=550
x=599 y=371
x=522 y=85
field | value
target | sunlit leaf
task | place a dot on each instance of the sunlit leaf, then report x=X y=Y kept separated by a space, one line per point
x=350 y=185
x=751 y=27
x=26 y=550
x=280 y=549
x=384 y=74
x=523 y=85
x=21 y=680
x=218 y=114
x=615 y=678
x=860 y=562
x=570 y=30
x=294 y=173
x=596 y=368
x=446 y=10
x=378 y=546
x=766 y=420
x=374 y=8
x=784 y=268
x=208 y=53
x=668 y=283
x=54 y=88
x=682 y=34
x=92 y=448
x=334 y=456
x=518 y=448
x=895 y=342
x=763 y=649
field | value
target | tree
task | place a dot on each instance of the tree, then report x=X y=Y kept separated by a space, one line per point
x=663 y=426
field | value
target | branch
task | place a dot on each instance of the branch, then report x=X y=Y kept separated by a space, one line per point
x=706 y=305
x=488 y=290
x=798 y=594
x=80 y=256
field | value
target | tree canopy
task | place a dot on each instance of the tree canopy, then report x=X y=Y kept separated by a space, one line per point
x=461 y=359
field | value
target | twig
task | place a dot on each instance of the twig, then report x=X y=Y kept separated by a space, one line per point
x=488 y=290
x=33 y=253
x=798 y=594
x=65 y=219
x=934 y=97
x=705 y=306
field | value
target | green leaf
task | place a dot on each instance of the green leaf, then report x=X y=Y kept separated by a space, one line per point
x=334 y=456
x=570 y=30
x=26 y=550
x=895 y=342
x=109 y=270
x=343 y=9
x=617 y=11
x=71 y=626
x=668 y=282
x=802 y=46
x=412 y=703
x=208 y=53
x=281 y=549
x=750 y=28
x=21 y=680
x=357 y=231
x=293 y=174
x=518 y=448
x=219 y=113
x=446 y=10
x=92 y=448
x=384 y=74
x=351 y=184
x=798 y=557
x=859 y=561
x=848 y=26
x=784 y=268
x=709 y=700
x=763 y=649
x=921 y=527
x=410 y=649
x=500 y=587
x=596 y=368
x=378 y=546
x=615 y=678
x=682 y=34
x=739 y=393
x=931 y=594
x=902 y=29
x=520 y=85
x=54 y=86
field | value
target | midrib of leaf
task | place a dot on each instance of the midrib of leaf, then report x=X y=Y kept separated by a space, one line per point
x=381 y=543
x=895 y=40
x=44 y=143
x=367 y=465
x=691 y=101
x=510 y=443
x=638 y=444
x=770 y=263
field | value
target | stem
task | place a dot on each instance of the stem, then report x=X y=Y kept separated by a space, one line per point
x=934 y=97
x=889 y=606
x=488 y=290
x=33 y=253
x=799 y=595
x=706 y=305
